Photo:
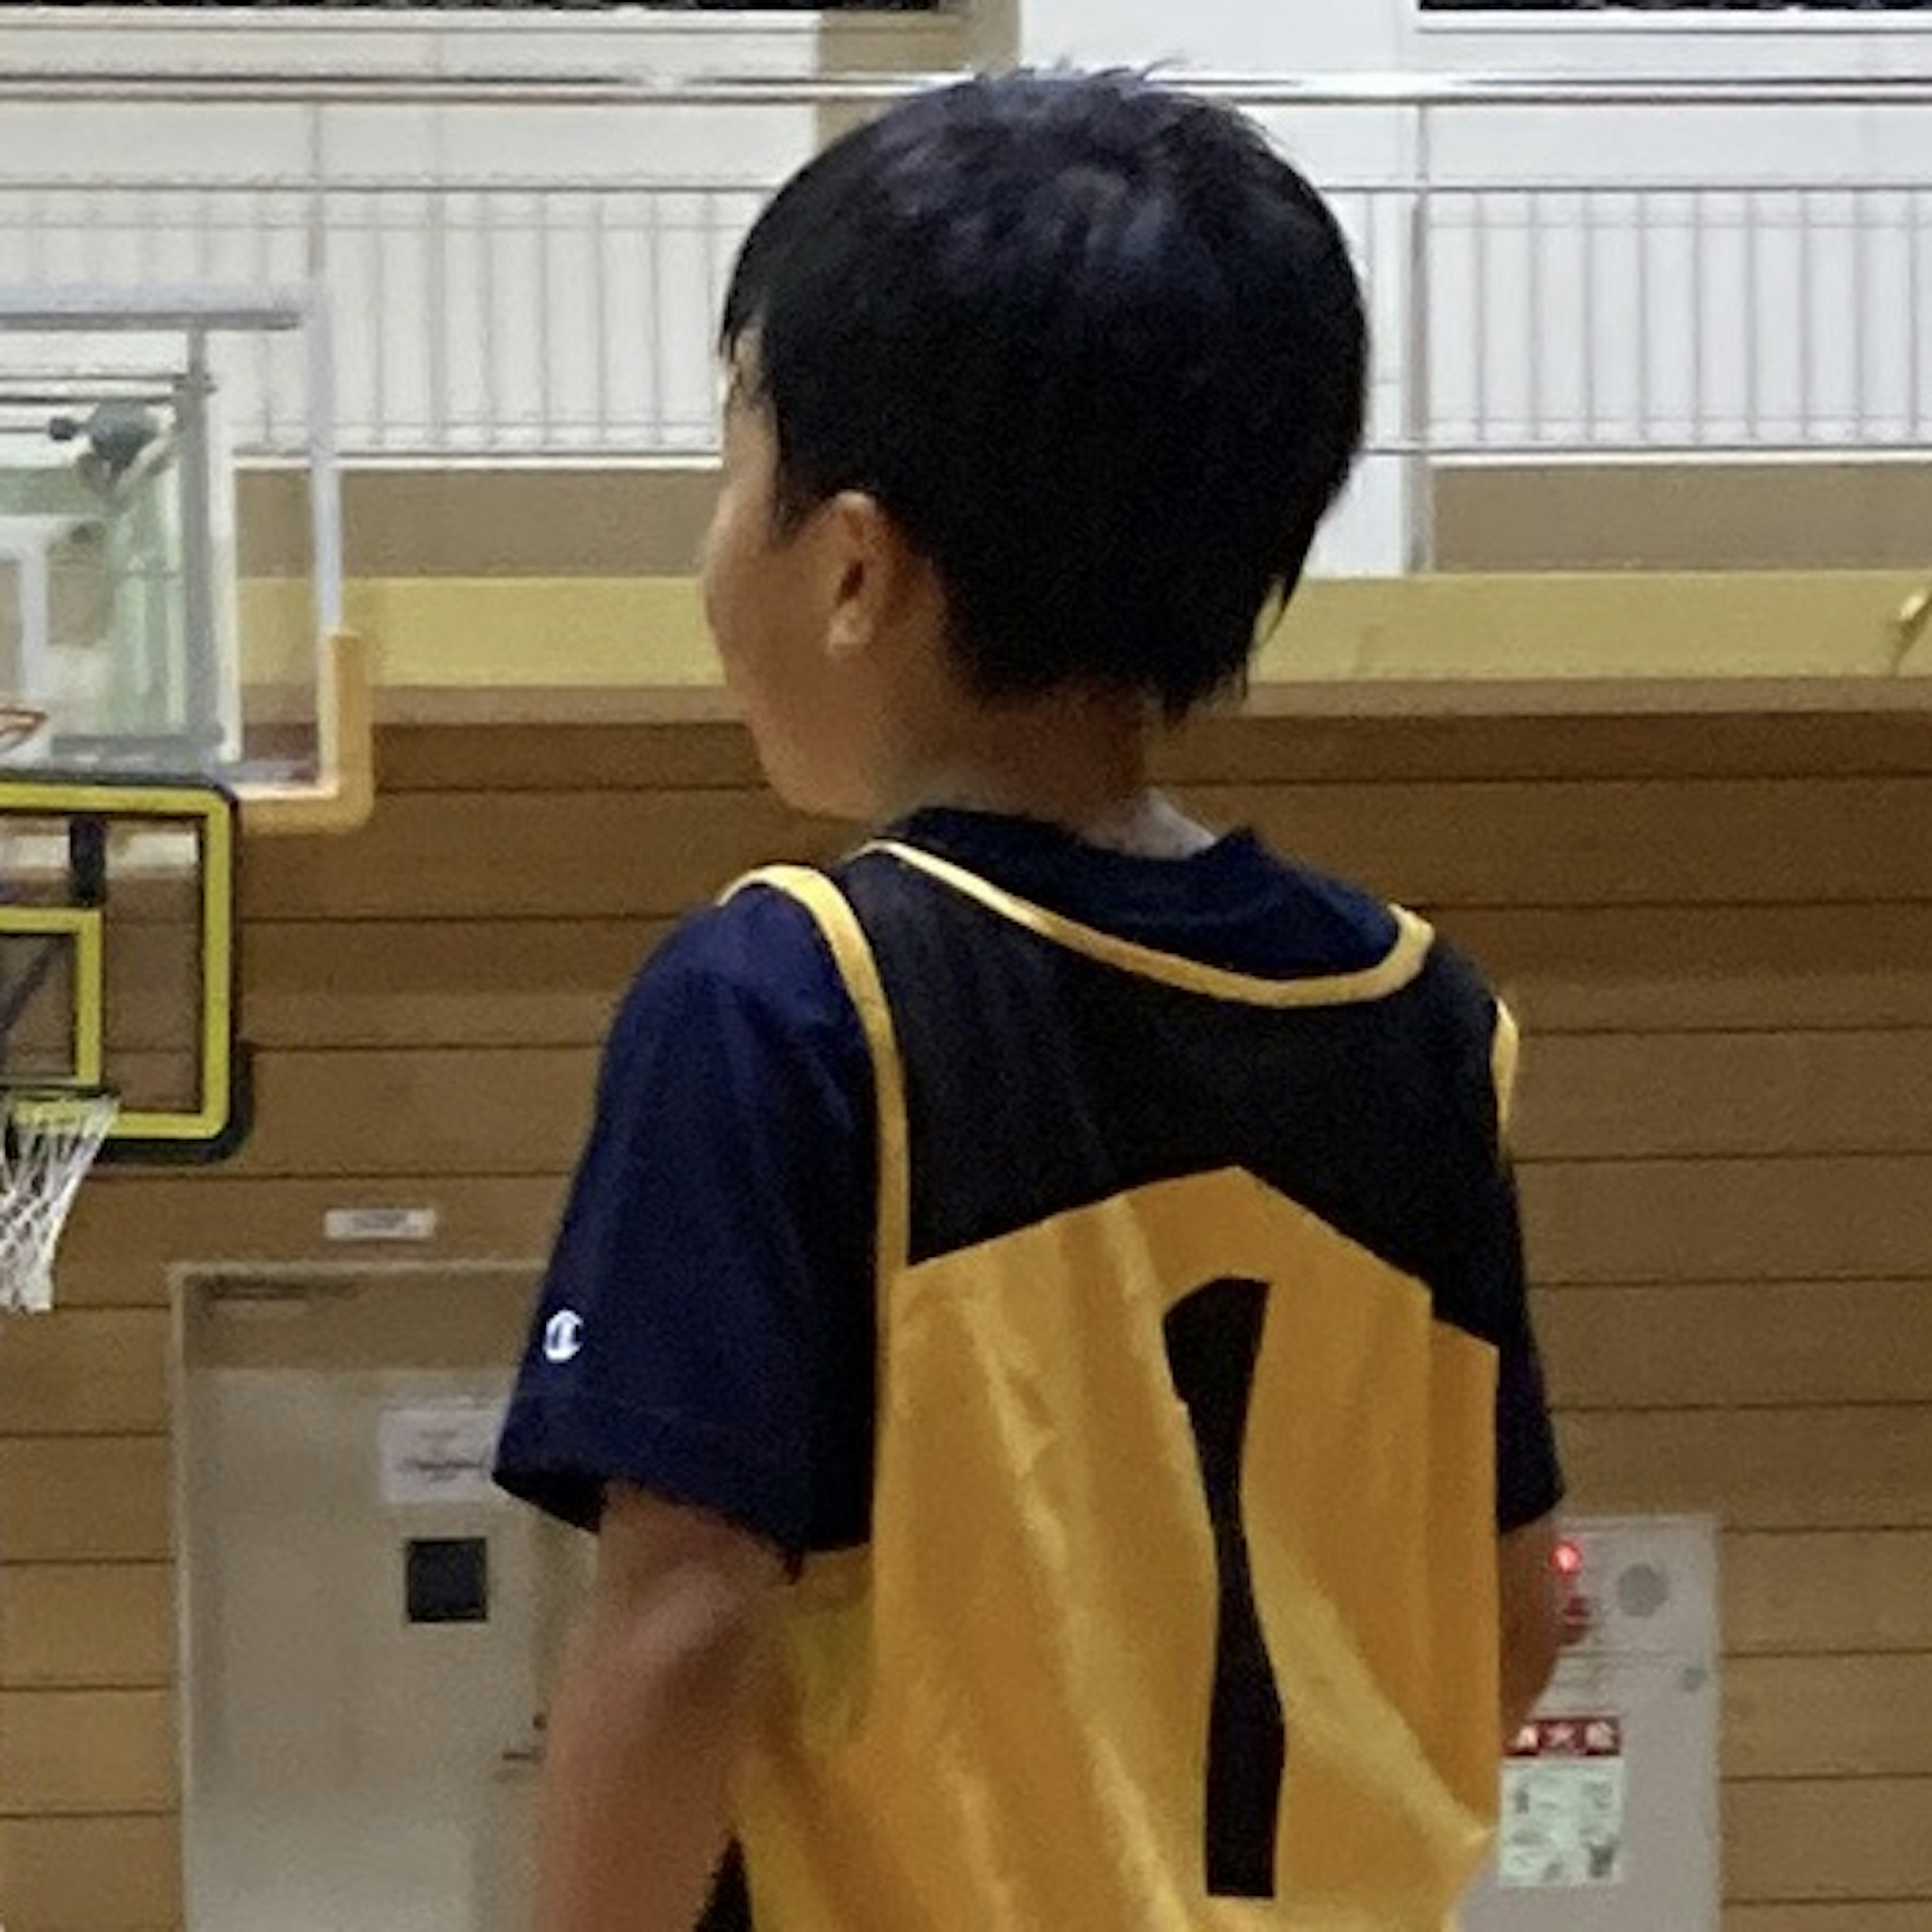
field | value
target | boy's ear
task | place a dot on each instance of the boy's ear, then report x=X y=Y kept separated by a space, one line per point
x=867 y=560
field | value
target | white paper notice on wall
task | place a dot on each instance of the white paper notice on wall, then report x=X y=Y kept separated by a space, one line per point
x=1564 y=1792
x=380 y=1224
x=439 y=1453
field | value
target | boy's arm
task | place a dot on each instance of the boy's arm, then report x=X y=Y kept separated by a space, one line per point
x=645 y=1728
x=1532 y=1619
x=696 y=1387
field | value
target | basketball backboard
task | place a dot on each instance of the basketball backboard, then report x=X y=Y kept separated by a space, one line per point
x=117 y=955
x=170 y=549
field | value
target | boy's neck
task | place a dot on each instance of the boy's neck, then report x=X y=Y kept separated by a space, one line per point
x=1079 y=763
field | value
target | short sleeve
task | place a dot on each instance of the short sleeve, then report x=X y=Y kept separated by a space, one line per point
x=1529 y=1478
x=704 y=1327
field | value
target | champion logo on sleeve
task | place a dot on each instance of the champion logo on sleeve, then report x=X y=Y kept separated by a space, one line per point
x=563 y=1336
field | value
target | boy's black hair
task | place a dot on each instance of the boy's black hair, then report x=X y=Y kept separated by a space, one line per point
x=1098 y=350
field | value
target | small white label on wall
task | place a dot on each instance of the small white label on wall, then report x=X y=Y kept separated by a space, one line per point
x=380 y=1224
x=439 y=1452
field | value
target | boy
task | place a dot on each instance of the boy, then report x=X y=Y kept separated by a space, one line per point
x=1039 y=1325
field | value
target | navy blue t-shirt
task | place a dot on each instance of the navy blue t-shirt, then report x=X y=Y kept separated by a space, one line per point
x=706 y=1330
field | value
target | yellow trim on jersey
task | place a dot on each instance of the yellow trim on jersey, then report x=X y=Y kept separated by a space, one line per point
x=852 y=953
x=1403 y=962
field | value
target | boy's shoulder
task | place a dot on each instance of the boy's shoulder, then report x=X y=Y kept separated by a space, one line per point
x=757 y=954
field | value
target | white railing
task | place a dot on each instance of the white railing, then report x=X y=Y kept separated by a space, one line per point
x=525 y=319
x=541 y=319
x=1688 y=291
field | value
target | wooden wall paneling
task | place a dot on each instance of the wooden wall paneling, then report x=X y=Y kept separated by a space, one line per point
x=1703 y=1096
x=72 y=1753
x=152 y=981
x=1770 y=1468
x=1716 y=968
x=1800 y=1218
x=1869 y=1915
x=1840 y=1591
x=68 y=1499
x=1851 y=1838
x=1828 y=1717
x=91 y=1874
x=454 y=1110
x=485 y=983
x=1267 y=745
x=469 y=855
x=1280 y=740
x=1692 y=1344
x=623 y=757
x=1553 y=843
x=455 y=983
x=70 y=1625
x=85 y=1373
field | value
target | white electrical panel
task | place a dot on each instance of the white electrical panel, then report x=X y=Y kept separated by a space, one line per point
x=1610 y=1798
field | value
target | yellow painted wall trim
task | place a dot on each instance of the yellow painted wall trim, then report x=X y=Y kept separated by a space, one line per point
x=1636 y=625
x=1591 y=636
x=470 y=632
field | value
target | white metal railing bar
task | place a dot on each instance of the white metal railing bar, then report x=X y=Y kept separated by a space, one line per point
x=595 y=90
x=173 y=310
x=388 y=187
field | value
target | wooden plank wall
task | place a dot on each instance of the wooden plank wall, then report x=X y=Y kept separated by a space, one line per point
x=1719 y=932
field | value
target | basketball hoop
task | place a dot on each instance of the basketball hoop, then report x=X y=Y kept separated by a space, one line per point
x=18 y=723
x=49 y=1137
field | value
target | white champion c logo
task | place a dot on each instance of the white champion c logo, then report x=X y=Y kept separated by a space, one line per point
x=563 y=1335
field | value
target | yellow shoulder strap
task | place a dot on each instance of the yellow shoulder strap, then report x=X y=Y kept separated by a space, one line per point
x=852 y=952
x=1403 y=963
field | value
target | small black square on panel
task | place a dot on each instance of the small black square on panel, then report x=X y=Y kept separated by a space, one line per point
x=446 y=1579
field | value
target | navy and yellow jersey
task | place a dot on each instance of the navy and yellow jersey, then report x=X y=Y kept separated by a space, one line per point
x=1102 y=1275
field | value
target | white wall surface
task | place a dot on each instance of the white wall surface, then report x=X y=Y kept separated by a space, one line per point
x=1219 y=36
x=1329 y=36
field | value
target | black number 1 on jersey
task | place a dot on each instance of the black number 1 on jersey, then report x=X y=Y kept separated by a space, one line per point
x=1213 y=1343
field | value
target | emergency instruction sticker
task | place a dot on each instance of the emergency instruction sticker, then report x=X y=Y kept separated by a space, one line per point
x=1562 y=1825
x=439 y=1452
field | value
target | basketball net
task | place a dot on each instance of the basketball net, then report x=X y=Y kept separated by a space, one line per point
x=48 y=1141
